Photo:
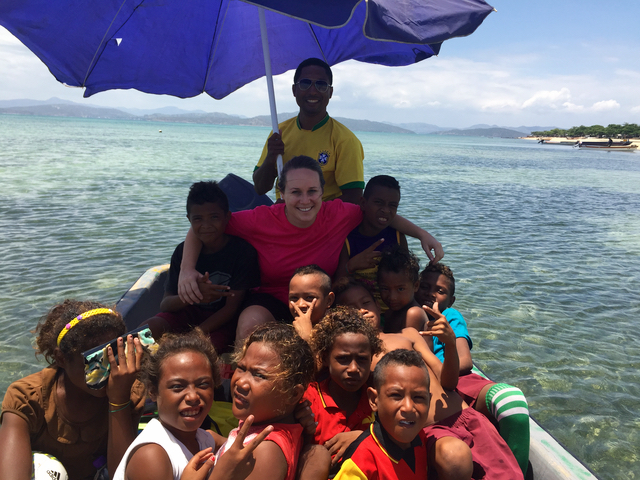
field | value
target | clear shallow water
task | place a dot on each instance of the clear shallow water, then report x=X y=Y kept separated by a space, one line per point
x=544 y=242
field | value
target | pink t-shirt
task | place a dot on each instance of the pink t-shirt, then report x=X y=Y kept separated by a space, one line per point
x=283 y=247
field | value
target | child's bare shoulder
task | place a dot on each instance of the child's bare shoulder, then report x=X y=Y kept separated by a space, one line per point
x=269 y=458
x=416 y=317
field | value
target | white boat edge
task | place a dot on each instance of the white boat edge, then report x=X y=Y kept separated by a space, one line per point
x=550 y=459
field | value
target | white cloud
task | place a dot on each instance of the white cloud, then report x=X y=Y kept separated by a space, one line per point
x=605 y=105
x=572 y=107
x=548 y=98
x=522 y=89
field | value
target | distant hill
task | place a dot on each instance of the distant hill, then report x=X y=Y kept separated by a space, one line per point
x=422 y=128
x=522 y=128
x=485 y=132
x=71 y=109
x=65 y=108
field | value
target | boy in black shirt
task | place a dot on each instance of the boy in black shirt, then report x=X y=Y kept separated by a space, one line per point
x=229 y=266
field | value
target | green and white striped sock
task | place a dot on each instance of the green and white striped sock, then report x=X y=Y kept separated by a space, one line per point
x=508 y=406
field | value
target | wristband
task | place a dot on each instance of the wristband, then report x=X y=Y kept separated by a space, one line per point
x=121 y=408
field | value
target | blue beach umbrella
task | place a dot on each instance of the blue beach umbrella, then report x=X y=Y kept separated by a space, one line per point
x=216 y=46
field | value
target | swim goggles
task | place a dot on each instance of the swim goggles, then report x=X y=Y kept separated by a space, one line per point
x=96 y=360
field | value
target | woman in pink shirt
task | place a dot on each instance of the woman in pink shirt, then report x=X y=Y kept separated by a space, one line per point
x=301 y=231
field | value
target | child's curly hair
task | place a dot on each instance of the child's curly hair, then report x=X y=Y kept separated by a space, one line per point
x=442 y=270
x=398 y=260
x=296 y=365
x=81 y=336
x=172 y=344
x=336 y=322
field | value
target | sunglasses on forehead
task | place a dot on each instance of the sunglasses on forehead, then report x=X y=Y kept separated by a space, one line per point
x=305 y=84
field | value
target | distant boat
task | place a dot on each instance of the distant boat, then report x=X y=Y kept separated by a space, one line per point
x=605 y=146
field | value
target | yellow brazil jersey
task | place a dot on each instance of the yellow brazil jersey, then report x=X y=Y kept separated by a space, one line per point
x=334 y=146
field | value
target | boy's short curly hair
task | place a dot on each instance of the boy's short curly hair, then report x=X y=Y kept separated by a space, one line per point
x=296 y=365
x=442 y=270
x=82 y=336
x=398 y=260
x=403 y=357
x=381 y=181
x=173 y=344
x=314 y=269
x=336 y=322
x=207 y=192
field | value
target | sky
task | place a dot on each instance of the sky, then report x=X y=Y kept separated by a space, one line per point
x=546 y=63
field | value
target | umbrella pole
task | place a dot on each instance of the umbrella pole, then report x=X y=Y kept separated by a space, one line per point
x=267 y=69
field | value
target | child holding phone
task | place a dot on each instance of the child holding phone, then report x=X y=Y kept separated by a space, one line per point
x=54 y=411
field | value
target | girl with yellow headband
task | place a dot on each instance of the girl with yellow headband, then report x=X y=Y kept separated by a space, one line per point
x=55 y=412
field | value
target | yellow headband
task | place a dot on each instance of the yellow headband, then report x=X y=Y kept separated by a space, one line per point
x=82 y=316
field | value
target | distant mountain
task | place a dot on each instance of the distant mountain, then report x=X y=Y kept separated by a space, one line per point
x=485 y=132
x=369 y=126
x=25 y=102
x=71 y=109
x=164 y=110
x=421 y=128
x=65 y=108
x=522 y=129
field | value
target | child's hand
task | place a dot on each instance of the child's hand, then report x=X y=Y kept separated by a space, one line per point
x=305 y=417
x=302 y=322
x=439 y=327
x=238 y=461
x=188 y=288
x=124 y=371
x=211 y=292
x=199 y=466
x=429 y=243
x=339 y=444
x=368 y=258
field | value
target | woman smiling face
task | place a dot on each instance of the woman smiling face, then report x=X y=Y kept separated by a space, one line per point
x=302 y=197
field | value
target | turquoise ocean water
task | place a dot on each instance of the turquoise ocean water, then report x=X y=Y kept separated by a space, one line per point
x=544 y=242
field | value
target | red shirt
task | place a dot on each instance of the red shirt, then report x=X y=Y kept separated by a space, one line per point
x=331 y=419
x=287 y=436
x=374 y=456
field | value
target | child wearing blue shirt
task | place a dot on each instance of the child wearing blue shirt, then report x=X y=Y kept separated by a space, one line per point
x=503 y=404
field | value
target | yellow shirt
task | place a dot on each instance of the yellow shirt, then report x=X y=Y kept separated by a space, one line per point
x=336 y=148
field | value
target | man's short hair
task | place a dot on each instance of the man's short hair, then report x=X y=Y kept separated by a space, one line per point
x=381 y=181
x=313 y=61
x=207 y=192
x=314 y=269
x=402 y=357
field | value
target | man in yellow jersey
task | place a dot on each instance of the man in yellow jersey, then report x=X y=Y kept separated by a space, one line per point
x=313 y=133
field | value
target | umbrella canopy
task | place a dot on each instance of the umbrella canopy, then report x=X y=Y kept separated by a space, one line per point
x=214 y=46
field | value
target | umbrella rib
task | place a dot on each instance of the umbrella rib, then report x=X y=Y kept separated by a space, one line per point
x=215 y=46
x=313 y=34
x=91 y=64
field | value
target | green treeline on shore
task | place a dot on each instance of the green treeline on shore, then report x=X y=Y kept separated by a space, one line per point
x=628 y=130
